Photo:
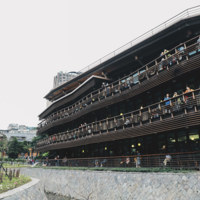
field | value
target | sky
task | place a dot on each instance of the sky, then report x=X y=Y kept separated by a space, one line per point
x=42 y=37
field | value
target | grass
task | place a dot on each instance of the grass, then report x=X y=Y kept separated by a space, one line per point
x=8 y=165
x=121 y=169
x=14 y=183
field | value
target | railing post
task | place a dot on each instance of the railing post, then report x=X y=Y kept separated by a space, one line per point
x=149 y=110
x=140 y=114
x=99 y=95
x=132 y=120
x=138 y=77
x=185 y=110
x=91 y=98
x=160 y=108
x=100 y=125
x=177 y=60
x=119 y=85
x=156 y=64
x=123 y=122
x=112 y=90
x=171 y=107
x=147 y=72
x=92 y=128
x=195 y=105
x=185 y=50
x=115 y=123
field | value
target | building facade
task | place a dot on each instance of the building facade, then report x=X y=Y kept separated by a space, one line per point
x=144 y=98
x=21 y=132
x=63 y=77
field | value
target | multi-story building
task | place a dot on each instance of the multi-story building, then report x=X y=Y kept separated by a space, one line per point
x=21 y=132
x=143 y=97
x=62 y=77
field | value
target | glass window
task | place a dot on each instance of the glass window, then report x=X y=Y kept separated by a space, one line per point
x=194 y=139
x=182 y=141
x=171 y=142
x=182 y=136
x=161 y=142
x=149 y=146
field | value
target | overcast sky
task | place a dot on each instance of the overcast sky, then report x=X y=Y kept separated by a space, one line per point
x=42 y=37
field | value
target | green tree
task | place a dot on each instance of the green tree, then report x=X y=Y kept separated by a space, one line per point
x=15 y=148
x=3 y=144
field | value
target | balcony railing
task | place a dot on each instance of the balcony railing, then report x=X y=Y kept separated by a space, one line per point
x=186 y=160
x=191 y=12
x=182 y=104
x=173 y=57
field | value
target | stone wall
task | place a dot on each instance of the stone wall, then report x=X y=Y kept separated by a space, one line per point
x=90 y=185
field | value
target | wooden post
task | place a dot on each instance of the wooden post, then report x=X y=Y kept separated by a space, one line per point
x=185 y=49
x=172 y=115
x=147 y=73
x=159 y=106
x=149 y=110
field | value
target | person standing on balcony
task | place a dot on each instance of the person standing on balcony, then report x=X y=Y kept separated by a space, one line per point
x=188 y=89
x=167 y=98
x=176 y=101
x=167 y=103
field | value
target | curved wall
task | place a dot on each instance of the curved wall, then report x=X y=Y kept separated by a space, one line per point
x=96 y=185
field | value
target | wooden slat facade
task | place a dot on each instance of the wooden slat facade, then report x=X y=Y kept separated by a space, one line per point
x=180 y=121
x=156 y=80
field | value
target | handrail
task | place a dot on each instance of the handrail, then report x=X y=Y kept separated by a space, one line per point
x=132 y=156
x=174 y=52
x=191 y=12
x=180 y=160
x=180 y=103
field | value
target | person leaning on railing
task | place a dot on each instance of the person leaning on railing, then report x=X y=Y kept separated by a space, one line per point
x=167 y=104
x=188 y=89
x=176 y=102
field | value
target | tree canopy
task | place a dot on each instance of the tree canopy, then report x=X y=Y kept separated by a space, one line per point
x=15 y=148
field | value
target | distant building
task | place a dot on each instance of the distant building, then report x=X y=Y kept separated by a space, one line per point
x=62 y=77
x=21 y=132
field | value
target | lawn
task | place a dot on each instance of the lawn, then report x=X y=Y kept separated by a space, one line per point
x=120 y=169
x=15 y=165
x=11 y=184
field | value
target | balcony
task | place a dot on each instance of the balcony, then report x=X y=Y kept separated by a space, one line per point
x=178 y=112
x=178 y=61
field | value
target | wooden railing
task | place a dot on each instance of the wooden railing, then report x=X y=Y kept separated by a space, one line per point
x=191 y=12
x=173 y=57
x=184 y=160
x=182 y=104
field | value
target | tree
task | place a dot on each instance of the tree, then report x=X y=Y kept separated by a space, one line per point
x=3 y=145
x=15 y=148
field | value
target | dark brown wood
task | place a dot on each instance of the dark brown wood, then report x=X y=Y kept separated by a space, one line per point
x=71 y=97
x=179 y=121
x=163 y=76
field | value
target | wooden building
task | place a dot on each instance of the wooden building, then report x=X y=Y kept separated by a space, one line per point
x=117 y=106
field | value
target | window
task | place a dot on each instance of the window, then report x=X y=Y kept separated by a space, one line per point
x=171 y=142
x=182 y=141
x=194 y=140
x=161 y=143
